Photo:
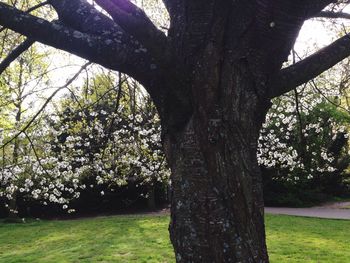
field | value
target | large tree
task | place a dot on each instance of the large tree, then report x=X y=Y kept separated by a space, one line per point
x=211 y=77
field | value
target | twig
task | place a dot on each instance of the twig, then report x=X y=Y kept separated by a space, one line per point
x=45 y=104
x=31 y=9
x=22 y=47
x=15 y=54
x=36 y=154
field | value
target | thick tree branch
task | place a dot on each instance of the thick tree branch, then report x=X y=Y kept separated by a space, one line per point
x=134 y=21
x=33 y=8
x=329 y=14
x=84 y=17
x=173 y=7
x=107 y=50
x=144 y=64
x=310 y=67
x=129 y=22
x=168 y=5
x=315 y=6
x=15 y=53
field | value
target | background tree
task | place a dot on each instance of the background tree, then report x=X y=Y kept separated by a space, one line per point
x=112 y=132
x=19 y=84
x=211 y=77
x=104 y=137
x=24 y=172
x=303 y=150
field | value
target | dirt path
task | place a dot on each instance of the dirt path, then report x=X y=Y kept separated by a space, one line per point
x=331 y=211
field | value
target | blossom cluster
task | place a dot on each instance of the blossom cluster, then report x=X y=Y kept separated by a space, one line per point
x=297 y=137
x=106 y=141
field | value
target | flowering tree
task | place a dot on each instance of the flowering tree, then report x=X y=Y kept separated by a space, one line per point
x=303 y=148
x=18 y=85
x=100 y=137
x=114 y=136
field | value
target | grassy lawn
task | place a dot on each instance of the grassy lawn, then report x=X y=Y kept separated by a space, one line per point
x=145 y=239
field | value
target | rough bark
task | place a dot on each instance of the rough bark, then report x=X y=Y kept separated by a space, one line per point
x=217 y=206
x=217 y=202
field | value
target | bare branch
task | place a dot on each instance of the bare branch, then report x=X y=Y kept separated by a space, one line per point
x=110 y=51
x=329 y=14
x=128 y=20
x=316 y=6
x=22 y=47
x=15 y=53
x=36 y=153
x=317 y=89
x=310 y=67
x=33 y=8
x=168 y=5
x=131 y=28
x=84 y=17
x=134 y=21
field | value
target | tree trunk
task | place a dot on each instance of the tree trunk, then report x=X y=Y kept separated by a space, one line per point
x=151 y=199
x=217 y=209
x=13 y=209
x=12 y=216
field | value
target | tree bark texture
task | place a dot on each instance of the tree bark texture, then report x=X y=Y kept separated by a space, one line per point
x=217 y=210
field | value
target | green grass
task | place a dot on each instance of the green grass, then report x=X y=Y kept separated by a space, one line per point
x=145 y=239
x=299 y=239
